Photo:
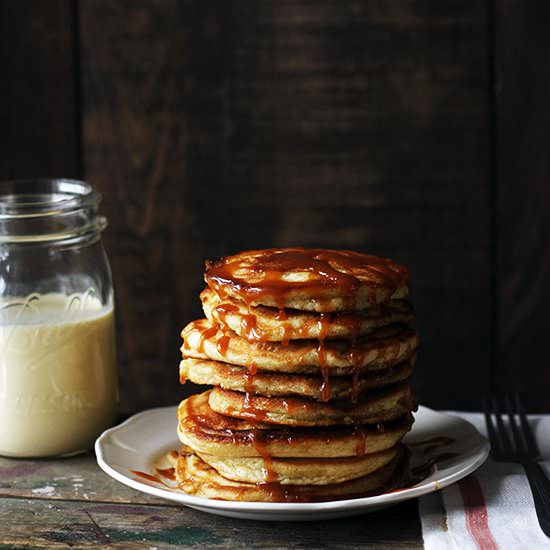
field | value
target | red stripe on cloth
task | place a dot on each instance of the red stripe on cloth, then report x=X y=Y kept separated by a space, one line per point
x=476 y=513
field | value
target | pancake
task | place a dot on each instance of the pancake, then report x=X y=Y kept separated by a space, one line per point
x=206 y=431
x=195 y=477
x=298 y=471
x=384 y=347
x=263 y=323
x=379 y=406
x=230 y=377
x=310 y=357
x=307 y=279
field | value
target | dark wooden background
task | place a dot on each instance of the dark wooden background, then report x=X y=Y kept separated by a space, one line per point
x=414 y=129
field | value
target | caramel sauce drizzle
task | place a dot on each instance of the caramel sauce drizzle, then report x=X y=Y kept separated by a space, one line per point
x=222 y=343
x=221 y=311
x=286 y=329
x=272 y=264
x=282 y=314
x=148 y=477
x=250 y=329
x=250 y=411
x=356 y=356
x=249 y=377
x=324 y=325
x=329 y=269
x=204 y=335
x=271 y=478
x=351 y=322
x=269 y=473
x=361 y=435
x=193 y=417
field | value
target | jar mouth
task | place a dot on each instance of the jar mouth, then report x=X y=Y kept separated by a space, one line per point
x=34 y=210
x=31 y=197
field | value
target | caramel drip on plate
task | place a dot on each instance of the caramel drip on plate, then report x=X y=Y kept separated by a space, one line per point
x=433 y=443
x=423 y=470
x=168 y=473
x=144 y=476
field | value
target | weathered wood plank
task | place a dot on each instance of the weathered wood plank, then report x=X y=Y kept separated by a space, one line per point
x=58 y=524
x=39 y=109
x=366 y=125
x=75 y=478
x=522 y=48
x=143 y=82
x=213 y=128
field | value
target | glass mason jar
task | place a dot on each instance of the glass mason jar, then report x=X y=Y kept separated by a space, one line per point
x=58 y=383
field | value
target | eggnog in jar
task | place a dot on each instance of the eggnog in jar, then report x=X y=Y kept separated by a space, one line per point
x=58 y=384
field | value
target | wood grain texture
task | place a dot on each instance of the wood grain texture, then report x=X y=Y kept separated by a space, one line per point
x=39 y=111
x=235 y=125
x=75 y=478
x=59 y=524
x=523 y=174
x=70 y=502
x=139 y=88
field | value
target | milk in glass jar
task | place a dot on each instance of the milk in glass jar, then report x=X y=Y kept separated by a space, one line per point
x=58 y=383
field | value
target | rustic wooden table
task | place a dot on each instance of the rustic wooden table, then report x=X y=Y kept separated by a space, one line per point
x=72 y=503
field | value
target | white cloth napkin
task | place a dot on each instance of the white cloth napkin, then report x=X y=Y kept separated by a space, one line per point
x=490 y=509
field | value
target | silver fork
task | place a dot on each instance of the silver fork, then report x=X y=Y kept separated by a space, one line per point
x=520 y=447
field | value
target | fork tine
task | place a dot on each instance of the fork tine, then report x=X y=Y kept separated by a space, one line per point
x=518 y=439
x=506 y=444
x=493 y=438
x=532 y=447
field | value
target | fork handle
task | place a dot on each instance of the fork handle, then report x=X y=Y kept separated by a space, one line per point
x=540 y=487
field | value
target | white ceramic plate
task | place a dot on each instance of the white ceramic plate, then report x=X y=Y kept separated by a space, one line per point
x=452 y=444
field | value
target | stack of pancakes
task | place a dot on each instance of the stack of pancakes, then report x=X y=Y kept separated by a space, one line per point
x=309 y=354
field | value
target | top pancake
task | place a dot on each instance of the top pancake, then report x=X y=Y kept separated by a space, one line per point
x=307 y=279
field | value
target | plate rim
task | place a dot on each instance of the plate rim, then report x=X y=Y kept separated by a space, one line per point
x=285 y=507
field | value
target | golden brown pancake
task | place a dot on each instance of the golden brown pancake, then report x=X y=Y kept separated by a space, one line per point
x=195 y=477
x=380 y=406
x=206 y=431
x=383 y=348
x=298 y=471
x=307 y=279
x=310 y=358
x=263 y=323
x=230 y=377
